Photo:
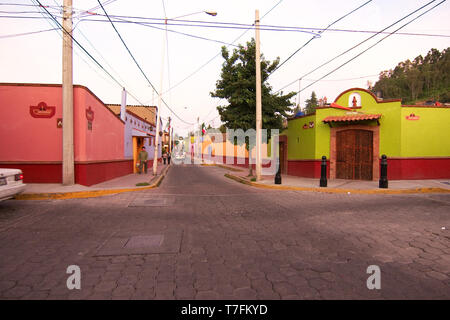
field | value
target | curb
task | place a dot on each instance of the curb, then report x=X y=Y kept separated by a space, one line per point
x=88 y=194
x=335 y=190
x=221 y=166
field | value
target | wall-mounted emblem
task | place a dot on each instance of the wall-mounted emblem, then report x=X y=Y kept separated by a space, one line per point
x=89 y=114
x=42 y=111
x=412 y=116
x=59 y=123
x=89 y=117
x=308 y=125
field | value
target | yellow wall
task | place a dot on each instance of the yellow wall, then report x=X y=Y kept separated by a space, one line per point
x=428 y=136
x=390 y=124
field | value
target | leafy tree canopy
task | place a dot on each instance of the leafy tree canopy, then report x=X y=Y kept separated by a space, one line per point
x=424 y=78
x=237 y=84
x=311 y=104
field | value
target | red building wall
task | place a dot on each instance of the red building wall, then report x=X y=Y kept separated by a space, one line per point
x=34 y=144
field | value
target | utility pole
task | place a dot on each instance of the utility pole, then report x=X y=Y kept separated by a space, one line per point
x=155 y=158
x=299 y=88
x=170 y=138
x=258 y=101
x=68 y=165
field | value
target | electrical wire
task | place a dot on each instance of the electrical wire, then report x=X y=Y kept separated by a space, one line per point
x=59 y=27
x=26 y=33
x=314 y=37
x=169 y=30
x=139 y=67
x=362 y=52
x=167 y=49
x=311 y=30
x=90 y=11
x=218 y=54
x=355 y=46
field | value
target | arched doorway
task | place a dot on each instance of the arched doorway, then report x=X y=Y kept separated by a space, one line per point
x=354 y=154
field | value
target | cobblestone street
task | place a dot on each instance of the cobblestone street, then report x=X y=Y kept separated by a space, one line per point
x=202 y=236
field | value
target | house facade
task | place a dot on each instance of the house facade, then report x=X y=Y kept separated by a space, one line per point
x=356 y=129
x=139 y=131
x=31 y=134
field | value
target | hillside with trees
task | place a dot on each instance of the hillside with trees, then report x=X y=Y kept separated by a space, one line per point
x=424 y=78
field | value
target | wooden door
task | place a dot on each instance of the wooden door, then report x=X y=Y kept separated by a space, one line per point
x=354 y=154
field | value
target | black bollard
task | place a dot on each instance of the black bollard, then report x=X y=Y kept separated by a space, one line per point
x=278 y=175
x=383 y=183
x=323 y=172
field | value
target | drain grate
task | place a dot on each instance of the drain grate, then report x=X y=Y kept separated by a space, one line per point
x=152 y=202
x=125 y=244
x=145 y=241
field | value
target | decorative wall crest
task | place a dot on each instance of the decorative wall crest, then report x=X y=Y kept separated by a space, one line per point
x=89 y=114
x=42 y=110
x=309 y=125
x=412 y=116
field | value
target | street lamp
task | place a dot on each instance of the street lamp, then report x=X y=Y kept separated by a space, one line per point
x=155 y=157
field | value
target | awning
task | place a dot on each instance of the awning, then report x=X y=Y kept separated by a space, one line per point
x=351 y=117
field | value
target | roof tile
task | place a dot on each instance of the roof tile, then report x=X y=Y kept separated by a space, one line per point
x=352 y=117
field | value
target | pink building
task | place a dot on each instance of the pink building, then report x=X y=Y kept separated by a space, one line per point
x=31 y=134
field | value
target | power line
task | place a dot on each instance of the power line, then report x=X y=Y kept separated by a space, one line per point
x=232 y=25
x=59 y=27
x=355 y=46
x=314 y=37
x=362 y=52
x=89 y=11
x=210 y=60
x=266 y=28
x=26 y=33
x=346 y=79
x=137 y=64
x=164 y=29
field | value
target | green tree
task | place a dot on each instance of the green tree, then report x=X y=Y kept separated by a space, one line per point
x=311 y=104
x=237 y=84
x=424 y=78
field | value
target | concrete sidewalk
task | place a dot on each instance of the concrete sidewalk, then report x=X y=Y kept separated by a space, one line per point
x=40 y=191
x=240 y=174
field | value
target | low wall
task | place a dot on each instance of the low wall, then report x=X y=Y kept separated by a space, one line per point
x=306 y=168
x=86 y=173
x=418 y=168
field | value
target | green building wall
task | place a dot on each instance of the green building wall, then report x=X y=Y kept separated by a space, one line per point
x=402 y=140
x=429 y=136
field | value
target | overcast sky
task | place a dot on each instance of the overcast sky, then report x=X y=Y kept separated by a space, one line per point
x=37 y=57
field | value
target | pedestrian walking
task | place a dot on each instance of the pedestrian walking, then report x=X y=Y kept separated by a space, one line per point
x=143 y=156
x=169 y=155
x=164 y=156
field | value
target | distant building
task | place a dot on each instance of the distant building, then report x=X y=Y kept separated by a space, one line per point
x=139 y=130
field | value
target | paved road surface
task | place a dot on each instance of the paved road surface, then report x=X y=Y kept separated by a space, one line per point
x=202 y=236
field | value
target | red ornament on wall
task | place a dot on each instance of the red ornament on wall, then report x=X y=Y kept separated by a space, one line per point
x=412 y=116
x=89 y=114
x=42 y=111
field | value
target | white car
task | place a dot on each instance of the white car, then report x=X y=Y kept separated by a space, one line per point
x=11 y=183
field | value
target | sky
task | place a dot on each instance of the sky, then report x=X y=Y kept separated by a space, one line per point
x=188 y=60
